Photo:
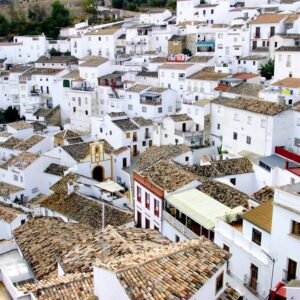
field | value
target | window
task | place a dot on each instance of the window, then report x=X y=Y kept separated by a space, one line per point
x=295 y=228
x=186 y=158
x=139 y=194
x=159 y=109
x=147 y=200
x=16 y=177
x=127 y=135
x=144 y=143
x=74 y=109
x=233 y=181
x=99 y=38
x=110 y=132
x=248 y=140
x=35 y=190
x=249 y=120
x=263 y=123
x=144 y=109
x=86 y=113
x=235 y=136
x=79 y=101
x=226 y=248
x=212 y=11
x=156 y=207
x=219 y=282
x=130 y=107
x=218 y=126
x=256 y=236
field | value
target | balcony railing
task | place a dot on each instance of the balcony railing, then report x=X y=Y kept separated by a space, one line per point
x=179 y=226
x=150 y=101
x=287 y=154
x=187 y=133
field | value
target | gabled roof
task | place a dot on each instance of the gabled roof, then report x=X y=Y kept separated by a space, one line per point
x=261 y=216
x=269 y=18
x=93 y=61
x=165 y=153
x=255 y=106
x=29 y=142
x=69 y=286
x=10 y=143
x=180 y=118
x=55 y=169
x=57 y=59
x=125 y=124
x=77 y=151
x=290 y=82
x=8 y=214
x=174 y=271
x=20 y=125
x=22 y=161
x=86 y=210
x=224 y=193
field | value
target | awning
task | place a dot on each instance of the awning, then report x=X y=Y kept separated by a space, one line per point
x=200 y=207
x=110 y=186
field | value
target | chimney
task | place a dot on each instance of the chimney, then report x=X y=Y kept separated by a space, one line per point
x=70 y=187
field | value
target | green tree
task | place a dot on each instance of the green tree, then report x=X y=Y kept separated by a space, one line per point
x=267 y=70
x=117 y=3
x=90 y=6
x=171 y=4
x=54 y=52
x=4 y=26
x=187 y=51
x=11 y=114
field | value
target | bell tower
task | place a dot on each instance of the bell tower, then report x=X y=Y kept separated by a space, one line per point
x=97 y=151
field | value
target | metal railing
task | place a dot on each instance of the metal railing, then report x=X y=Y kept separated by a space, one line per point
x=179 y=226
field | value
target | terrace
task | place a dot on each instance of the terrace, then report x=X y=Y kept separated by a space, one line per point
x=150 y=99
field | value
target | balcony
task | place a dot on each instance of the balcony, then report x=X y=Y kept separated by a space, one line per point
x=187 y=134
x=150 y=99
x=280 y=150
x=179 y=226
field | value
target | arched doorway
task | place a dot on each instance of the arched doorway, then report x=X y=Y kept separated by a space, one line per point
x=98 y=173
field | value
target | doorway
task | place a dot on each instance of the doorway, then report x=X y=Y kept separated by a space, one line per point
x=98 y=173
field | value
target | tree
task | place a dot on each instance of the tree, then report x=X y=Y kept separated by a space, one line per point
x=187 y=52
x=171 y=4
x=90 y=6
x=4 y=26
x=11 y=114
x=54 y=52
x=117 y=3
x=267 y=70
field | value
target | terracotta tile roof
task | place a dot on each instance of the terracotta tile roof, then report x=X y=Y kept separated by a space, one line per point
x=137 y=88
x=38 y=126
x=142 y=122
x=125 y=124
x=256 y=106
x=29 y=142
x=120 y=150
x=176 y=66
x=264 y=194
x=67 y=134
x=62 y=184
x=71 y=286
x=165 y=153
x=57 y=59
x=289 y=48
x=22 y=161
x=245 y=76
x=246 y=89
x=230 y=294
x=180 y=118
x=252 y=57
x=207 y=75
x=148 y=74
x=269 y=18
x=177 y=38
x=155 y=89
x=8 y=214
x=93 y=61
x=111 y=243
x=4 y=133
x=56 y=169
x=41 y=240
x=200 y=59
x=20 y=125
x=86 y=210
x=224 y=193
x=45 y=241
x=171 y=272
x=11 y=143
x=220 y=168
x=261 y=216
x=77 y=151
x=41 y=71
x=290 y=82
x=168 y=176
x=6 y=189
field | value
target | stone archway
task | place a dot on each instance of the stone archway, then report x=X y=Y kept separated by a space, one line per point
x=98 y=173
